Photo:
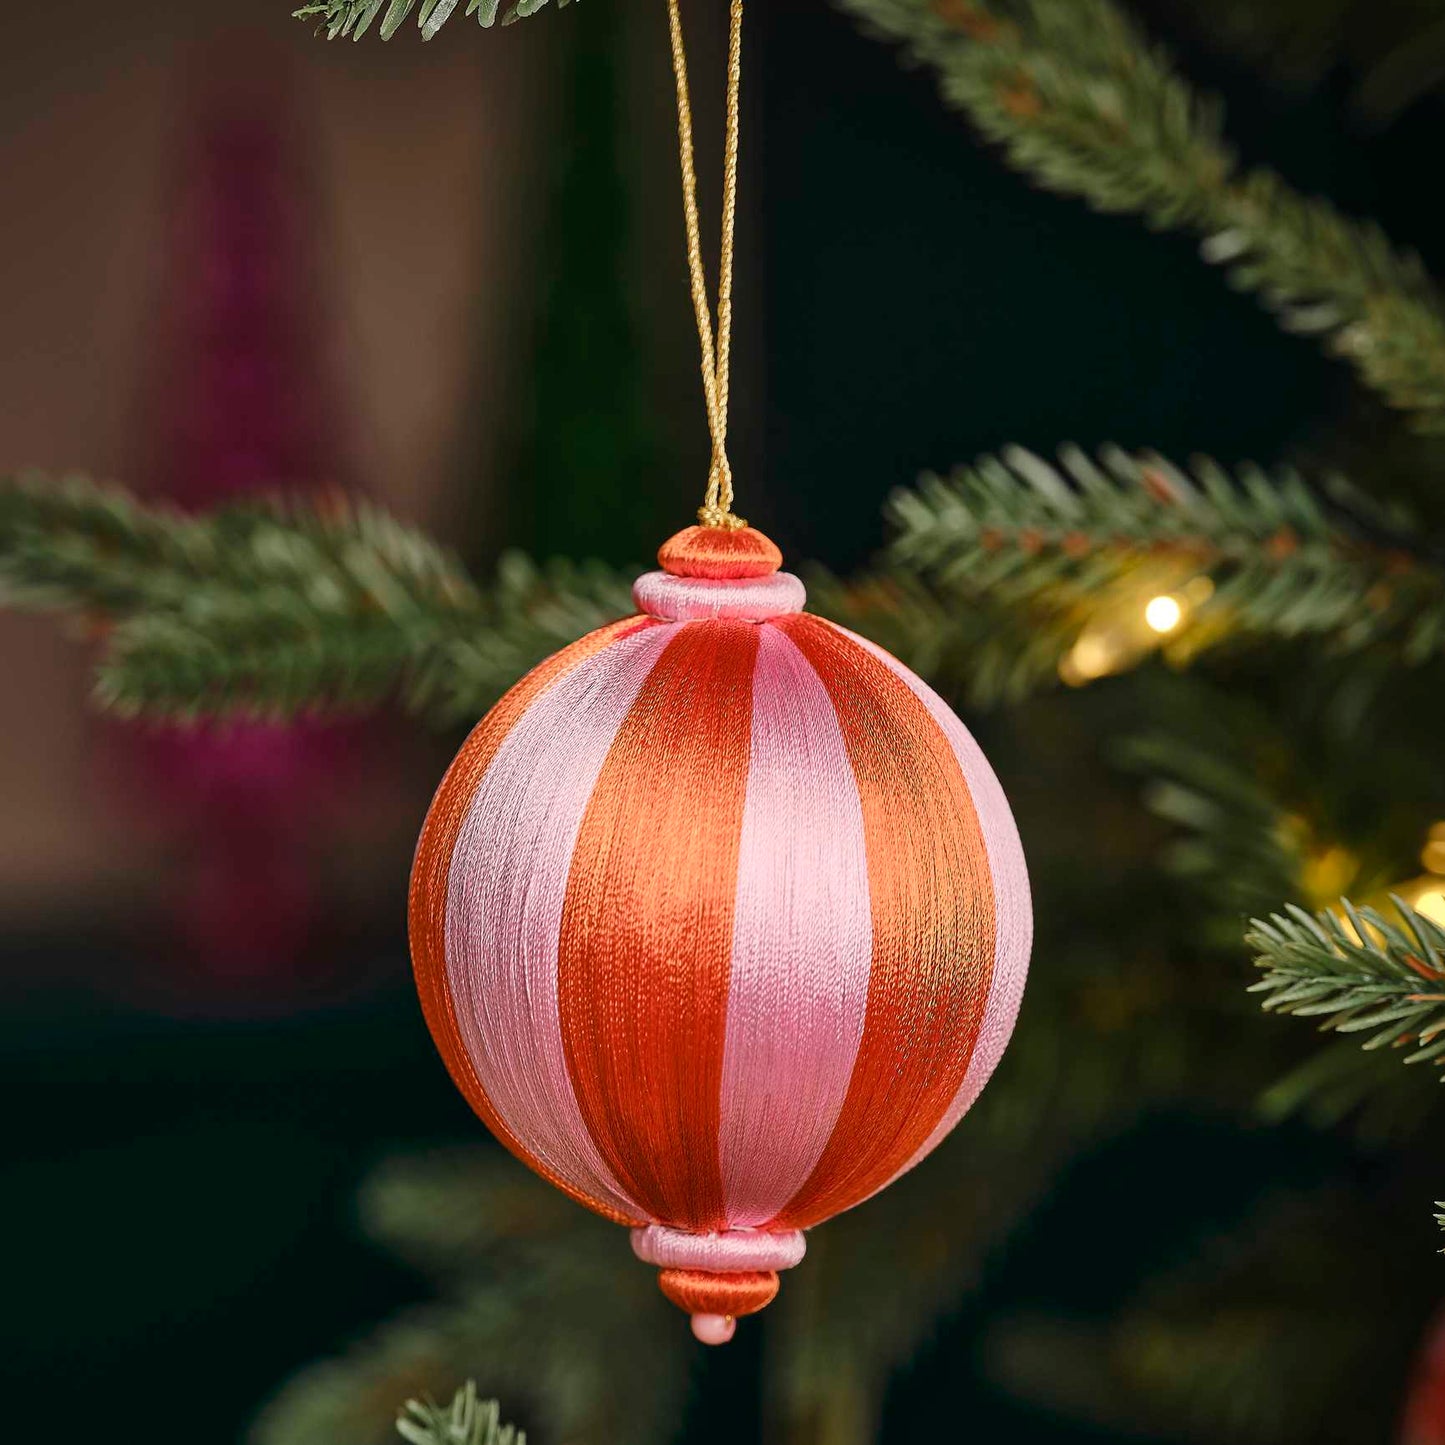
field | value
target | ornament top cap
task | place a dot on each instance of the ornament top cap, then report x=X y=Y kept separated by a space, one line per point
x=720 y=554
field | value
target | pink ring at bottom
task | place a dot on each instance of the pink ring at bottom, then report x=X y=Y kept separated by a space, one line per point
x=737 y=1251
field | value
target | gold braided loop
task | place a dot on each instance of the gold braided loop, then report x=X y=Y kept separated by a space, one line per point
x=716 y=510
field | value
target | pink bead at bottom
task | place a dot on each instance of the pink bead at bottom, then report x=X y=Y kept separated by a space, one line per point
x=714 y=1329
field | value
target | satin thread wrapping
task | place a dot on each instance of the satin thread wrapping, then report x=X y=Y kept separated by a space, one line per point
x=646 y=934
x=428 y=901
x=933 y=925
x=720 y=925
x=719 y=553
x=738 y=1251
x=697 y=599
x=701 y=1293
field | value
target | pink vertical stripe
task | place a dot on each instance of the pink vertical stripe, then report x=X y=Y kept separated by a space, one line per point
x=1013 y=905
x=508 y=882
x=802 y=941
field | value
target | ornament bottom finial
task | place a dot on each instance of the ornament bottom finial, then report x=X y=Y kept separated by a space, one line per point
x=717 y=1277
x=714 y=1329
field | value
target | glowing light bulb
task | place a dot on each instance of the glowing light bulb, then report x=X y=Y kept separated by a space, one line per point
x=1131 y=620
x=1163 y=614
x=1101 y=650
x=1433 y=853
x=1432 y=904
x=1425 y=895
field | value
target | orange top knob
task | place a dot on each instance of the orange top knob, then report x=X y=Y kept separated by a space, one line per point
x=720 y=554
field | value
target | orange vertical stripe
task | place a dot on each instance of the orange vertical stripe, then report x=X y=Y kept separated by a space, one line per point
x=427 y=905
x=932 y=903
x=646 y=946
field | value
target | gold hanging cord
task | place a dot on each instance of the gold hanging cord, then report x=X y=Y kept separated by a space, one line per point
x=716 y=510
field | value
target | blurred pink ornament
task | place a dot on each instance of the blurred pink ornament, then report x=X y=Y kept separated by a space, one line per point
x=242 y=406
x=1424 y=1418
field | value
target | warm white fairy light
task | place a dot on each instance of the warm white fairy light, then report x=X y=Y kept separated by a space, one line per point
x=1164 y=613
x=1131 y=622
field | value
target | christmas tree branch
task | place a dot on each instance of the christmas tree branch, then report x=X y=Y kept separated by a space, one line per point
x=997 y=577
x=231 y=654
x=1082 y=102
x=1358 y=971
x=1092 y=542
x=76 y=545
x=283 y=607
x=354 y=17
x=992 y=652
x=532 y=1296
x=466 y=1421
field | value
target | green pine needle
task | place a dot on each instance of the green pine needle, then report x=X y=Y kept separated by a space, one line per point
x=276 y=608
x=355 y=17
x=1083 y=103
x=1358 y=971
x=1061 y=543
x=280 y=607
x=466 y=1421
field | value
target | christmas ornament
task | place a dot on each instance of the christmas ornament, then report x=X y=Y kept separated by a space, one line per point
x=1423 y=1422
x=241 y=406
x=720 y=918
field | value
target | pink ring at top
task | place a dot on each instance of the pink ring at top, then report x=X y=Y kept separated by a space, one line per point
x=745 y=599
x=737 y=1251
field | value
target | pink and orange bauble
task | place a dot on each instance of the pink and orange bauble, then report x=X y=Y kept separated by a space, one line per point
x=720 y=921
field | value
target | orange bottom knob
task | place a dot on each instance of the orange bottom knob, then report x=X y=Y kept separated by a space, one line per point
x=715 y=1300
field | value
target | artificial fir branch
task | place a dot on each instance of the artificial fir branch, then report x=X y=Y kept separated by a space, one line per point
x=228 y=653
x=1274 y=793
x=466 y=1421
x=1236 y=841
x=1282 y=559
x=1358 y=971
x=72 y=545
x=354 y=17
x=1082 y=102
x=283 y=607
x=990 y=652
x=76 y=545
x=541 y=1301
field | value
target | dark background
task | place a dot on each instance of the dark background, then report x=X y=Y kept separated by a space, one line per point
x=184 y=1153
